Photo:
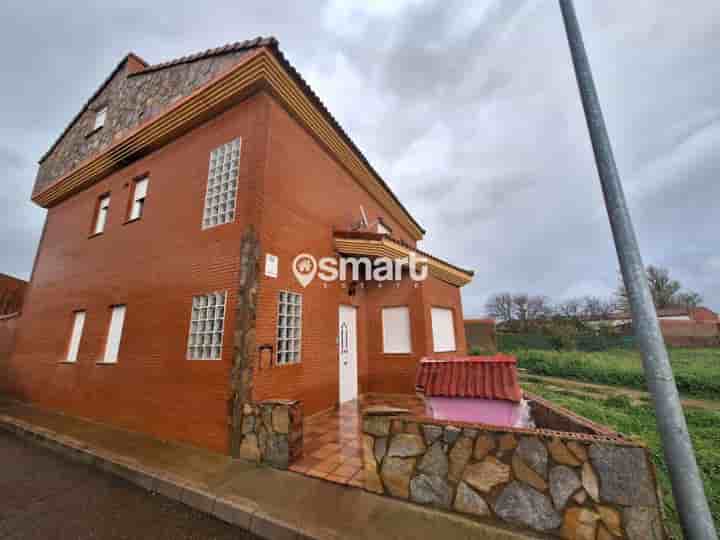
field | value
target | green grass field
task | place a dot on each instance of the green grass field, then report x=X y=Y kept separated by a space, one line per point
x=639 y=421
x=697 y=371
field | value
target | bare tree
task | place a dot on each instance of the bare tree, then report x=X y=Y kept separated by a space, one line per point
x=539 y=308
x=690 y=299
x=500 y=306
x=520 y=306
x=569 y=309
x=663 y=289
x=595 y=307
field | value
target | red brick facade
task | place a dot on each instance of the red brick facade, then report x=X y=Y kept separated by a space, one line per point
x=295 y=195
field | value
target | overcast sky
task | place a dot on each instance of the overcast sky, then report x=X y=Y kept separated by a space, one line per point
x=468 y=109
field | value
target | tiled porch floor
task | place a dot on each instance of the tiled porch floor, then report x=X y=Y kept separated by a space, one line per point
x=332 y=447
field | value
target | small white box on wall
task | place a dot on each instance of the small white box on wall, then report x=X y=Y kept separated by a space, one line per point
x=271 y=265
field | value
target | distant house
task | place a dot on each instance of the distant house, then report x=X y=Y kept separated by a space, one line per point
x=680 y=326
x=698 y=314
x=12 y=294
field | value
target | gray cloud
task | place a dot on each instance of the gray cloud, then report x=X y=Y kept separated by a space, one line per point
x=469 y=110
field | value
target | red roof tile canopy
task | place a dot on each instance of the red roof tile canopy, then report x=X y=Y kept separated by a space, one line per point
x=484 y=377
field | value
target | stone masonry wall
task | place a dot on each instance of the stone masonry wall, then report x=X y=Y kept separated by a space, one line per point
x=566 y=485
x=272 y=432
x=130 y=100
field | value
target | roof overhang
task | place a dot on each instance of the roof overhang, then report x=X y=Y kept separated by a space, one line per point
x=380 y=245
x=263 y=69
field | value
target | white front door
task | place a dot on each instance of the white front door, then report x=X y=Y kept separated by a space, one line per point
x=347 y=346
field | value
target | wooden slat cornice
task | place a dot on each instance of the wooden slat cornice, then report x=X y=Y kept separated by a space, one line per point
x=388 y=248
x=261 y=69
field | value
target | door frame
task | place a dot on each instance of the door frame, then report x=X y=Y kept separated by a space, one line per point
x=353 y=392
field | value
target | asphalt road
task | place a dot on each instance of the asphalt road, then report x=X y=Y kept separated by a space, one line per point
x=43 y=495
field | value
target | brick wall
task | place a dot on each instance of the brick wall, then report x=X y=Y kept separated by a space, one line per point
x=154 y=266
x=307 y=196
x=295 y=195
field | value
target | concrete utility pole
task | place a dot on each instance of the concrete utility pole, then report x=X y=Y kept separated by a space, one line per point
x=687 y=486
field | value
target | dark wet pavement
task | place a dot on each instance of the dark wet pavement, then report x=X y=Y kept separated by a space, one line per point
x=43 y=495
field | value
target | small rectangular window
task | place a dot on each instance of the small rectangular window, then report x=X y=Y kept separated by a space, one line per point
x=112 y=346
x=100 y=117
x=396 y=330
x=101 y=214
x=289 y=328
x=206 y=326
x=221 y=192
x=138 y=200
x=443 y=329
x=77 y=329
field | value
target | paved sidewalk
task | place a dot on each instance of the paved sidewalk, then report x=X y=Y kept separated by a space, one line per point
x=270 y=503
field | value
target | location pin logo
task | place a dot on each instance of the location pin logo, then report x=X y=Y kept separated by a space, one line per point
x=304 y=267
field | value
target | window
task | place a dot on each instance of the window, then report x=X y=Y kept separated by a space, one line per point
x=112 y=346
x=206 y=326
x=138 y=200
x=101 y=214
x=396 y=330
x=222 y=185
x=74 y=345
x=289 y=328
x=382 y=229
x=443 y=329
x=100 y=117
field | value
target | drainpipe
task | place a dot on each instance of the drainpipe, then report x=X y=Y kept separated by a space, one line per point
x=687 y=486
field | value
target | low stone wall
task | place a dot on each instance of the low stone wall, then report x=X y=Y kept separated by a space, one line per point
x=573 y=486
x=272 y=432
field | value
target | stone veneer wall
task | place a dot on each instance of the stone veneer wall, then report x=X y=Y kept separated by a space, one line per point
x=272 y=432
x=567 y=485
x=130 y=99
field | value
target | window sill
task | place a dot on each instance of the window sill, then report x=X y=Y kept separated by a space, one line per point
x=133 y=220
x=67 y=362
x=93 y=132
x=398 y=353
x=93 y=235
x=102 y=363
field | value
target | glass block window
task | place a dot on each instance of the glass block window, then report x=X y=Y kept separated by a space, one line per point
x=289 y=328
x=221 y=193
x=206 y=326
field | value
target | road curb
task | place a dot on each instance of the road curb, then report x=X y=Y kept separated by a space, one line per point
x=237 y=511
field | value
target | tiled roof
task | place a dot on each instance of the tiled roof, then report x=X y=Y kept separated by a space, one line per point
x=217 y=51
x=483 y=377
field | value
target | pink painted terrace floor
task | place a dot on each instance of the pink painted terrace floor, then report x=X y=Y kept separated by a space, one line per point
x=332 y=447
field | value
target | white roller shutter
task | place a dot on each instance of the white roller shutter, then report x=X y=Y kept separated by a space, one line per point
x=396 y=330
x=443 y=329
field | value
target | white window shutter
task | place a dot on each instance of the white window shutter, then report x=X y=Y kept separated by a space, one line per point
x=396 y=330
x=138 y=197
x=114 y=334
x=443 y=329
x=103 y=206
x=75 y=337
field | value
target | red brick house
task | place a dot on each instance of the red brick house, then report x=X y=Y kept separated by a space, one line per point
x=163 y=297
